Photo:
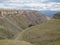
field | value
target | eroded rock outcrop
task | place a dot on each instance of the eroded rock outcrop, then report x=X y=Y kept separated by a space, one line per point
x=15 y=21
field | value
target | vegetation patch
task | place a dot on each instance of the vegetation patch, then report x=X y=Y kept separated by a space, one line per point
x=44 y=34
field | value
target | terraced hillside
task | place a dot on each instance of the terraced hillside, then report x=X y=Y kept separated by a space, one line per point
x=13 y=22
x=45 y=34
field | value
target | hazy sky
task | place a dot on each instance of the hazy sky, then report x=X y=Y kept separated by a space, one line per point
x=52 y=5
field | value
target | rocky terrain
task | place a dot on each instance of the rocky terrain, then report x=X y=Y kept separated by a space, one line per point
x=14 y=21
x=28 y=27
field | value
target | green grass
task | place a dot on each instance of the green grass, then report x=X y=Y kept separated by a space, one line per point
x=13 y=42
x=1 y=33
x=1 y=30
x=45 y=34
x=22 y=21
x=1 y=22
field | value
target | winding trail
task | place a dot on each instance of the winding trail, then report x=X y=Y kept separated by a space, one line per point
x=19 y=34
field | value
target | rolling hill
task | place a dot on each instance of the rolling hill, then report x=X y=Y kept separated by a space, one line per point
x=12 y=22
x=45 y=34
x=13 y=42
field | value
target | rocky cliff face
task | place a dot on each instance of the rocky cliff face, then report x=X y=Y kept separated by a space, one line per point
x=14 y=21
x=30 y=15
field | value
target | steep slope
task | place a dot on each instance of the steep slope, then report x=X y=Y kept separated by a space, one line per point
x=13 y=42
x=8 y=29
x=31 y=17
x=14 y=21
x=45 y=34
x=57 y=16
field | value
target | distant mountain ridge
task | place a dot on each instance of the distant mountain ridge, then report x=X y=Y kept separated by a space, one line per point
x=57 y=15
